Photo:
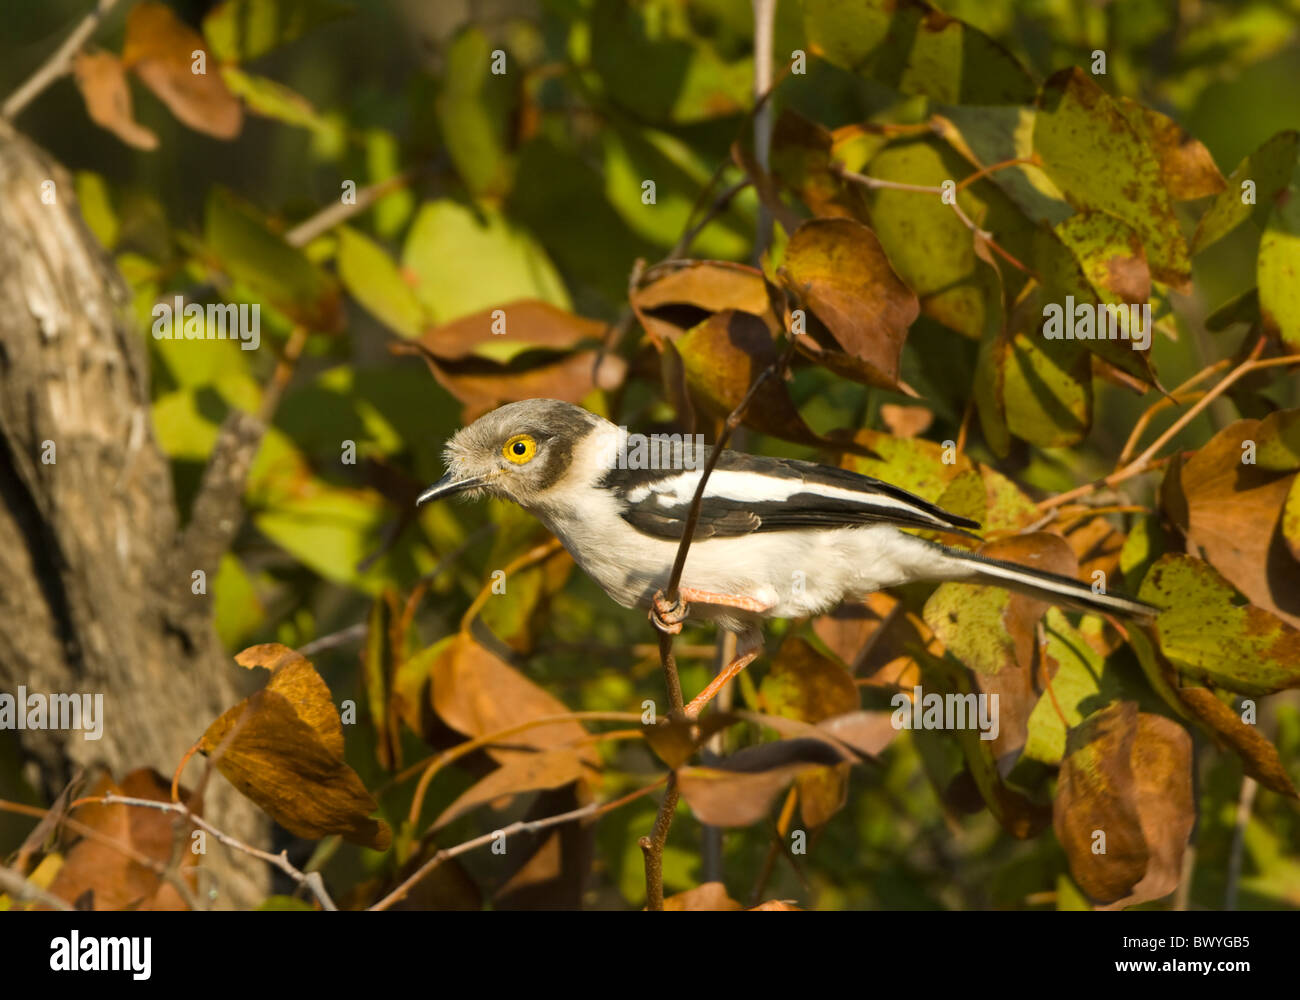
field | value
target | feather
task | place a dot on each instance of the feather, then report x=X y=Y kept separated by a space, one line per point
x=746 y=494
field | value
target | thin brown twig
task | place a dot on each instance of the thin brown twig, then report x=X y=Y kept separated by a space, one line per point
x=338 y=212
x=591 y=810
x=879 y=183
x=536 y=554
x=25 y=891
x=309 y=880
x=58 y=64
x=469 y=746
x=652 y=847
x=1177 y=397
x=1144 y=461
x=983 y=172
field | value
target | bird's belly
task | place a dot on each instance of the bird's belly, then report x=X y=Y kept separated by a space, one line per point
x=792 y=574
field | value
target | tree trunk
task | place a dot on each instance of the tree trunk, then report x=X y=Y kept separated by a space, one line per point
x=94 y=594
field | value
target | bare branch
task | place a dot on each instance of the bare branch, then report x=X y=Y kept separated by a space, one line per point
x=59 y=64
x=523 y=826
x=309 y=880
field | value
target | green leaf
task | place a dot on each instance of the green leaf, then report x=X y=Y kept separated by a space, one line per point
x=251 y=253
x=467 y=260
x=1083 y=683
x=1269 y=170
x=1047 y=390
x=916 y=49
x=280 y=903
x=650 y=59
x=97 y=208
x=1278 y=440
x=1278 y=266
x=329 y=529
x=1094 y=156
x=915 y=464
x=1111 y=260
x=473 y=111
x=238 y=30
x=633 y=158
x=803 y=684
x=371 y=277
x=271 y=99
x=1208 y=635
x=392 y=211
x=237 y=610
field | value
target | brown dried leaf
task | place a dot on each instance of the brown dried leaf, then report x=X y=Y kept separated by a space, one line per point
x=722 y=356
x=838 y=269
x=1186 y=166
x=477 y=693
x=1162 y=770
x=1097 y=795
x=283 y=748
x=523 y=772
x=804 y=684
x=1258 y=756
x=481 y=386
x=822 y=793
x=675 y=741
x=102 y=82
x=869 y=732
x=740 y=791
x=801 y=160
x=160 y=50
x=906 y=421
x=113 y=878
x=293 y=676
x=1232 y=512
x=673 y=297
x=527 y=321
x=709 y=896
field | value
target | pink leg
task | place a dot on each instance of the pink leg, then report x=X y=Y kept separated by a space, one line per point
x=707 y=695
x=724 y=600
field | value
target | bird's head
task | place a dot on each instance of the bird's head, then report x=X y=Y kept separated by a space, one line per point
x=518 y=451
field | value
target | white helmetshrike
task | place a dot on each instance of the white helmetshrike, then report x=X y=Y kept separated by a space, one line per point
x=776 y=538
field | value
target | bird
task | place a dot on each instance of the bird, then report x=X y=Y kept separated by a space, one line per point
x=775 y=537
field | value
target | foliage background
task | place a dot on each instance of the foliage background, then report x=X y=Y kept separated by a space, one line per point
x=528 y=187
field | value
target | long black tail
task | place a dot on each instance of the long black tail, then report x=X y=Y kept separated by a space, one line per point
x=1051 y=587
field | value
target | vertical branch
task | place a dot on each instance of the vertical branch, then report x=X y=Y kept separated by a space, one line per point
x=653 y=846
x=1245 y=803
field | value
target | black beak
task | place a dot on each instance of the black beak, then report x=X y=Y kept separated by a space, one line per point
x=448 y=486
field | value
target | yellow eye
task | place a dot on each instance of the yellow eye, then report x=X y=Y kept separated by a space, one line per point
x=520 y=449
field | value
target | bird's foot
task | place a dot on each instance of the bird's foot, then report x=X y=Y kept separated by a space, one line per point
x=667 y=616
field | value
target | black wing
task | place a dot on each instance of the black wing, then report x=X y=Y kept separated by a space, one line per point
x=749 y=493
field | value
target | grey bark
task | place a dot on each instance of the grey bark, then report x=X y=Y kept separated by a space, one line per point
x=94 y=581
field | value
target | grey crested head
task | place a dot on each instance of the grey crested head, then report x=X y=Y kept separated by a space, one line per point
x=518 y=451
